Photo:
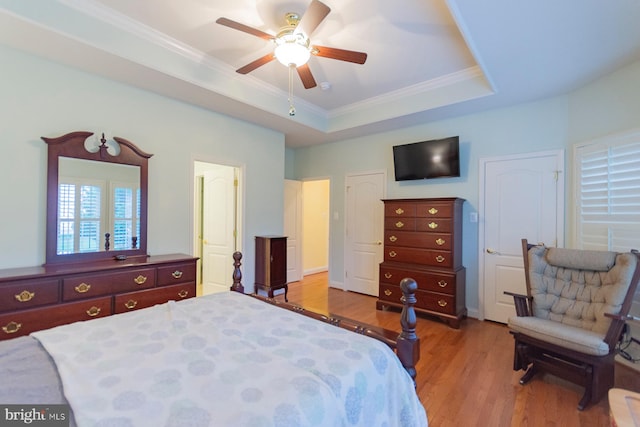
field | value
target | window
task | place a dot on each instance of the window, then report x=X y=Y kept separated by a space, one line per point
x=607 y=177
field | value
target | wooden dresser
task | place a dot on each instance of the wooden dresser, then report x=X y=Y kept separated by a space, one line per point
x=423 y=240
x=38 y=298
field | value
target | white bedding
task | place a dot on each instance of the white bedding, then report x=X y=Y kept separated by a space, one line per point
x=228 y=360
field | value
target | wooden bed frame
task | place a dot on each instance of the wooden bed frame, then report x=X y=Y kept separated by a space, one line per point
x=406 y=345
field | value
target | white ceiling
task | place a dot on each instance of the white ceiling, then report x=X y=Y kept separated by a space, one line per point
x=427 y=59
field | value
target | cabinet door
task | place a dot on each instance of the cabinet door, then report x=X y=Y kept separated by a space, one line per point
x=278 y=261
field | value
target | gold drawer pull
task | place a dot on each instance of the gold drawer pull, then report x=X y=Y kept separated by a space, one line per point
x=442 y=303
x=140 y=279
x=442 y=284
x=12 y=327
x=440 y=258
x=399 y=211
x=183 y=293
x=393 y=254
x=25 y=296
x=94 y=311
x=177 y=274
x=440 y=242
x=399 y=224
x=388 y=275
x=433 y=211
x=433 y=225
x=82 y=288
x=387 y=292
x=392 y=238
x=131 y=304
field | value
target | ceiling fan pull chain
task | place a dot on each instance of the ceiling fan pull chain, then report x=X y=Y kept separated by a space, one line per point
x=292 y=109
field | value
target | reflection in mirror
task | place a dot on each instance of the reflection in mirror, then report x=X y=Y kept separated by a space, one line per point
x=98 y=206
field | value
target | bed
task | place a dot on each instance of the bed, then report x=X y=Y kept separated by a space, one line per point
x=218 y=360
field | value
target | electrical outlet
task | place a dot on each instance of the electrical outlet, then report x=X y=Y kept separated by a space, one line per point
x=473 y=217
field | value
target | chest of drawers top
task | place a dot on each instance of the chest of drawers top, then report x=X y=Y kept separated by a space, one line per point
x=421 y=208
x=60 y=270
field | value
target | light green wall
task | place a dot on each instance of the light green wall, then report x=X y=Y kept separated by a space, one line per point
x=41 y=98
x=537 y=126
x=609 y=104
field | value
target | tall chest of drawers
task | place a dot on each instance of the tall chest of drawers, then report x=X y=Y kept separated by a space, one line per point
x=423 y=240
x=38 y=298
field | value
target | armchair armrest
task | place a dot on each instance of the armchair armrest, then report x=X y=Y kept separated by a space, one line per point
x=522 y=303
x=614 y=334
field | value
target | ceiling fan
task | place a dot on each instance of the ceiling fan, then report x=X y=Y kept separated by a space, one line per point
x=293 y=46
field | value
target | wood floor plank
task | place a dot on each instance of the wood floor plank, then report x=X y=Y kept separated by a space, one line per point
x=465 y=376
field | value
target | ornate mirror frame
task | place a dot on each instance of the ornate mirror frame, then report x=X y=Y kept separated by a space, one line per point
x=72 y=145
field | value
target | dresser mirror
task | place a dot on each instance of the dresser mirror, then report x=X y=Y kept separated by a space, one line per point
x=96 y=199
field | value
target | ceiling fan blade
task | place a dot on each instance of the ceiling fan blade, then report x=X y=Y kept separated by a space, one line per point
x=255 y=64
x=244 y=28
x=305 y=75
x=339 y=54
x=315 y=14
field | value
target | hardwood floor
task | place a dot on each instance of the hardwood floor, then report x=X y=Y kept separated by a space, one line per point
x=465 y=376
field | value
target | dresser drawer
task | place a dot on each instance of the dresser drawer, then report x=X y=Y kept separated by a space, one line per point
x=26 y=321
x=441 y=241
x=405 y=224
x=434 y=225
x=24 y=294
x=150 y=297
x=399 y=209
x=434 y=210
x=391 y=293
x=177 y=273
x=92 y=285
x=427 y=280
x=418 y=256
x=436 y=302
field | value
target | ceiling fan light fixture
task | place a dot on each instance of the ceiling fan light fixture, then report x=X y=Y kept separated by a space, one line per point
x=292 y=49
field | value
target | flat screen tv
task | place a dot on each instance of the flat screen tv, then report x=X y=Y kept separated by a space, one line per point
x=437 y=158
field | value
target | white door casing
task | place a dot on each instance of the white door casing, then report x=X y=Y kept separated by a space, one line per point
x=218 y=228
x=293 y=228
x=364 y=219
x=520 y=197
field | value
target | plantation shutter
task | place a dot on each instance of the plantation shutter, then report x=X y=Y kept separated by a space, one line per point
x=608 y=194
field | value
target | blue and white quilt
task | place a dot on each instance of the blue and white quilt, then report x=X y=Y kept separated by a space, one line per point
x=228 y=360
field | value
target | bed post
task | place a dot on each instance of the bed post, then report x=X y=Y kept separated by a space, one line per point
x=237 y=274
x=408 y=345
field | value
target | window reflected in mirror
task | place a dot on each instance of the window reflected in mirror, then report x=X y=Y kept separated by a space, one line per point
x=98 y=206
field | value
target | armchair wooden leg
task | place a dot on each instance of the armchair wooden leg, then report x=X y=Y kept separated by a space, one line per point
x=520 y=360
x=531 y=372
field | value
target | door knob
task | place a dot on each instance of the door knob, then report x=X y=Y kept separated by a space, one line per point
x=492 y=252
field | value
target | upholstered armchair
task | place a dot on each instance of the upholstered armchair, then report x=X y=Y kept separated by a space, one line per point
x=563 y=324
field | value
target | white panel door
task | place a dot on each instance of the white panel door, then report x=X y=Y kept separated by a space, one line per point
x=523 y=197
x=293 y=228
x=218 y=227
x=365 y=231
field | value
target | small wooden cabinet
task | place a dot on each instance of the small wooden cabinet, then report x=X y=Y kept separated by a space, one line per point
x=271 y=264
x=37 y=298
x=423 y=240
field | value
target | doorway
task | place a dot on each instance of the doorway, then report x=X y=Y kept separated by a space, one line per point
x=217 y=233
x=306 y=225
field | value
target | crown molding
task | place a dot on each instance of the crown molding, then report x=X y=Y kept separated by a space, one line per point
x=422 y=88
